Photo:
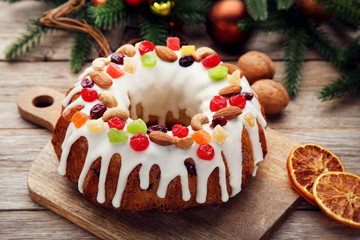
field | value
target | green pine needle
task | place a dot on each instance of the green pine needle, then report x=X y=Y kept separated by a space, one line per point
x=80 y=51
x=257 y=9
x=347 y=84
x=284 y=4
x=26 y=42
x=191 y=12
x=154 y=29
x=274 y=23
x=114 y=12
x=294 y=51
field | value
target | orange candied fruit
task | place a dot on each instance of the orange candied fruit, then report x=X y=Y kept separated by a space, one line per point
x=201 y=137
x=114 y=71
x=79 y=119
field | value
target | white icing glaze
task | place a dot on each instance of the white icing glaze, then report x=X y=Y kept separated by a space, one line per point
x=167 y=87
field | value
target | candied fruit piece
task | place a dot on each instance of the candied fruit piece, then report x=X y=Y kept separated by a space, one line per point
x=87 y=83
x=145 y=47
x=79 y=119
x=89 y=94
x=160 y=128
x=219 y=134
x=188 y=49
x=247 y=95
x=250 y=119
x=186 y=60
x=211 y=61
x=139 y=142
x=149 y=59
x=173 y=43
x=130 y=65
x=97 y=111
x=201 y=137
x=117 y=123
x=179 y=131
x=217 y=103
x=238 y=100
x=118 y=58
x=114 y=71
x=219 y=120
x=218 y=73
x=206 y=152
x=234 y=78
x=137 y=126
x=117 y=136
x=95 y=126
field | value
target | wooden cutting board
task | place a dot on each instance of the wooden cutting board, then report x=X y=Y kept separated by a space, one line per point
x=253 y=214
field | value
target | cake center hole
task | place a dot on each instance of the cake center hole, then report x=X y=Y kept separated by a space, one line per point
x=43 y=101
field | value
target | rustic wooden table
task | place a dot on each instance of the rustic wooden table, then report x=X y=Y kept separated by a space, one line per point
x=335 y=124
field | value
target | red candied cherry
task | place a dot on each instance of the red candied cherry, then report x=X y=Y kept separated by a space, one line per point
x=220 y=120
x=206 y=152
x=139 y=142
x=97 y=111
x=211 y=61
x=180 y=131
x=217 y=103
x=145 y=47
x=117 y=123
x=238 y=100
x=89 y=94
x=87 y=83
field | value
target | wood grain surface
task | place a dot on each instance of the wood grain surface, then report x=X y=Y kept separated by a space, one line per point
x=334 y=124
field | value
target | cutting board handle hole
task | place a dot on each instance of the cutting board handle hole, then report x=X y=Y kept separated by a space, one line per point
x=43 y=101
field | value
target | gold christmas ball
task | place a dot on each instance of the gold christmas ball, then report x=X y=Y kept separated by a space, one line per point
x=222 y=21
x=312 y=10
x=161 y=7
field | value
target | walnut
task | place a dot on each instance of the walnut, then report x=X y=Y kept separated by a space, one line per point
x=272 y=95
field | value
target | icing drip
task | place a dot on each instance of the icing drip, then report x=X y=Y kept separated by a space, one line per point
x=189 y=88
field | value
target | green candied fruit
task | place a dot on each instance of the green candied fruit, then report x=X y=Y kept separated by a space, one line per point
x=117 y=136
x=149 y=59
x=137 y=126
x=218 y=73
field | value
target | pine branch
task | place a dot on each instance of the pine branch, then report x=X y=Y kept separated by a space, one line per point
x=348 y=83
x=294 y=51
x=26 y=42
x=284 y=4
x=11 y=1
x=257 y=9
x=114 y=12
x=275 y=23
x=80 y=50
x=154 y=29
x=191 y=12
x=346 y=10
x=350 y=54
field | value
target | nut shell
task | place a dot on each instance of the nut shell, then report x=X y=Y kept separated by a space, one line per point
x=272 y=95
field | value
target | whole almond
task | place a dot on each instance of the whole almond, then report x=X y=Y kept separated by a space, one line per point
x=115 y=112
x=161 y=138
x=184 y=143
x=101 y=79
x=198 y=120
x=165 y=54
x=232 y=68
x=127 y=49
x=230 y=90
x=108 y=99
x=228 y=112
x=203 y=52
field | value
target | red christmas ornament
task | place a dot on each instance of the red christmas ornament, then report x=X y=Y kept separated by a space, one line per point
x=222 y=21
x=133 y=3
x=99 y=2
x=312 y=10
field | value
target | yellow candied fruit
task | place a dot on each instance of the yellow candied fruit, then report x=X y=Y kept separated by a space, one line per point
x=201 y=137
x=137 y=45
x=250 y=119
x=130 y=65
x=95 y=126
x=234 y=78
x=188 y=49
x=219 y=134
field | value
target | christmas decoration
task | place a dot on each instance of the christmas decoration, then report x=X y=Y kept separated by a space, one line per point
x=87 y=19
x=300 y=31
x=222 y=20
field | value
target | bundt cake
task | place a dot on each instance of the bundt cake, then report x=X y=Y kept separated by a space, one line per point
x=163 y=127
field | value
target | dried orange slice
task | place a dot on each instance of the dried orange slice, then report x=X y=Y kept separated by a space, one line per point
x=338 y=195
x=306 y=162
